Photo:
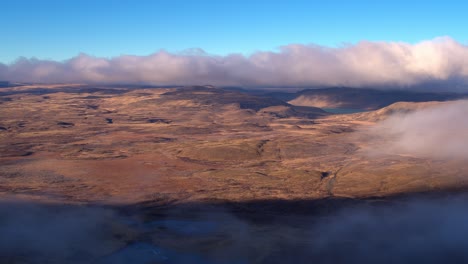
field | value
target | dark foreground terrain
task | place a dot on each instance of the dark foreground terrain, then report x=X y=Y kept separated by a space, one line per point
x=207 y=175
x=416 y=229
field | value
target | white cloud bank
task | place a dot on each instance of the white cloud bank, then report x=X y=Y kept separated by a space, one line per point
x=439 y=131
x=364 y=64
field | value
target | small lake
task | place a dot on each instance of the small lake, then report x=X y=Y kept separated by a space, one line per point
x=343 y=110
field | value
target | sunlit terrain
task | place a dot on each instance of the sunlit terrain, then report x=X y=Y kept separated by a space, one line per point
x=210 y=175
x=233 y=132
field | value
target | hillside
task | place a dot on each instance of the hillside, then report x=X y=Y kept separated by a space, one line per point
x=361 y=98
x=161 y=145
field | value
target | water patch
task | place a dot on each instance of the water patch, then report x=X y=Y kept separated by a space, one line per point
x=343 y=110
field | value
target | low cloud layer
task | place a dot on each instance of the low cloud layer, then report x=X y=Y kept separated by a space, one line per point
x=441 y=61
x=419 y=230
x=35 y=233
x=439 y=131
x=411 y=230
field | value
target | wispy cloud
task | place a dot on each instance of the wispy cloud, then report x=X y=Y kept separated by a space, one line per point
x=440 y=131
x=363 y=64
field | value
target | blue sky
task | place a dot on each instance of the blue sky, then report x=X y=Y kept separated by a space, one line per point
x=59 y=30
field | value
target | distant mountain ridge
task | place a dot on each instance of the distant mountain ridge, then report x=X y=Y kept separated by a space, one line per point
x=361 y=98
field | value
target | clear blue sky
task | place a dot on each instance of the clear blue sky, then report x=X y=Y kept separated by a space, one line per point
x=59 y=30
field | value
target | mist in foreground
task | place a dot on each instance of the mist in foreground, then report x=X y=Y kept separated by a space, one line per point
x=407 y=230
